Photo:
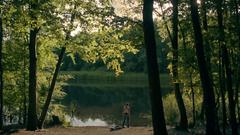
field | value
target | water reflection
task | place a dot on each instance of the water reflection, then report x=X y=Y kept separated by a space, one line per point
x=74 y=121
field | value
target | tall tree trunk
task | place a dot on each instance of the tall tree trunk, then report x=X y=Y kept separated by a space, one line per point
x=51 y=89
x=201 y=115
x=228 y=71
x=187 y=66
x=193 y=100
x=208 y=92
x=231 y=105
x=159 y=125
x=183 y=124
x=236 y=6
x=237 y=93
x=207 y=47
x=32 y=106
x=55 y=75
x=1 y=71
x=164 y=20
x=222 y=91
x=183 y=116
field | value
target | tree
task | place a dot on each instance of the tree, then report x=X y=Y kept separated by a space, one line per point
x=207 y=47
x=237 y=25
x=222 y=87
x=178 y=95
x=207 y=85
x=111 y=60
x=1 y=68
x=55 y=74
x=51 y=89
x=189 y=74
x=32 y=107
x=159 y=126
x=183 y=124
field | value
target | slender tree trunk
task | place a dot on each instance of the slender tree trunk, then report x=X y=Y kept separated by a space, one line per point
x=55 y=75
x=159 y=125
x=181 y=107
x=32 y=104
x=183 y=116
x=183 y=124
x=237 y=95
x=201 y=115
x=188 y=74
x=24 y=90
x=193 y=100
x=206 y=47
x=226 y=61
x=205 y=28
x=208 y=92
x=222 y=91
x=1 y=72
x=231 y=105
x=51 y=89
x=32 y=107
x=236 y=6
x=164 y=20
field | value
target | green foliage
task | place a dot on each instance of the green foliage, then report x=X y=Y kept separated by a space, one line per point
x=172 y=112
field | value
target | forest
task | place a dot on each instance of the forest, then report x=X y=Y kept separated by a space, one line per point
x=90 y=66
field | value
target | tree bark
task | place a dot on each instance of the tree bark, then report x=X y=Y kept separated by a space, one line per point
x=208 y=92
x=51 y=89
x=231 y=105
x=206 y=47
x=183 y=116
x=1 y=72
x=164 y=20
x=236 y=5
x=32 y=106
x=222 y=91
x=193 y=100
x=201 y=115
x=187 y=66
x=159 y=125
x=55 y=75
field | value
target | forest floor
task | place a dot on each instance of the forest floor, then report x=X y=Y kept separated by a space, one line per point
x=98 y=131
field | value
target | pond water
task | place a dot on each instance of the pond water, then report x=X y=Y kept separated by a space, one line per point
x=101 y=105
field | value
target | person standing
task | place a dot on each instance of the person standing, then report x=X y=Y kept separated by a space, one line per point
x=126 y=114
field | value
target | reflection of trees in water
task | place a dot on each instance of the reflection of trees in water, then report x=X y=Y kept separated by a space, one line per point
x=106 y=103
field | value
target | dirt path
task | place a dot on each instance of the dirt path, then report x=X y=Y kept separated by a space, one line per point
x=98 y=131
x=88 y=131
x=106 y=131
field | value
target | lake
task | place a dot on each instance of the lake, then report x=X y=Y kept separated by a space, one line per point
x=105 y=104
x=99 y=102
